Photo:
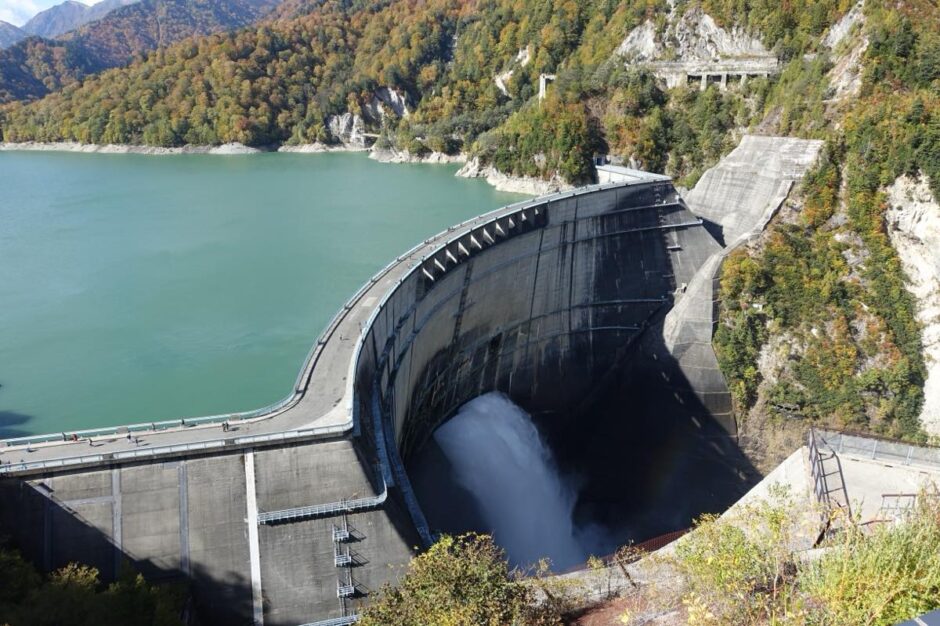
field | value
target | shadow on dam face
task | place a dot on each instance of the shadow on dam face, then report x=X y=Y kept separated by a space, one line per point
x=641 y=457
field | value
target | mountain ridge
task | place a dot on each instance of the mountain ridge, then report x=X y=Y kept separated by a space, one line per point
x=37 y=66
x=68 y=16
x=57 y=19
x=10 y=34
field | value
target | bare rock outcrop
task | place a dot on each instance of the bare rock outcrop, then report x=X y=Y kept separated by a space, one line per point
x=838 y=31
x=502 y=79
x=848 y=45
x=393 y=155
x=693 y=37
x=513 y=184
x=386 y=101
x=348 y=129
x=913 y=220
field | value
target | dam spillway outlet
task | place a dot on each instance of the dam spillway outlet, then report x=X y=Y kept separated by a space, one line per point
x=488 y=470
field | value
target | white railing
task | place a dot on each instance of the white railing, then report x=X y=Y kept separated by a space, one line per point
x=176 y=449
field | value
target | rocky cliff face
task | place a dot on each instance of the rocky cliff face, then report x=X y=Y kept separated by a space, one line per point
x=348 y=129
x=692 y=37
x=513 y=184
x=913 y=221
x=848 y=46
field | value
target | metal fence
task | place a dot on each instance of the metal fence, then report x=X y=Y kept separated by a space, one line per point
x=322 y=510
x=893 y=452
x=176 y=449
x=336 y=621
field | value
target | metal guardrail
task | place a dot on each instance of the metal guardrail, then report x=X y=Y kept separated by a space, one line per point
x=817 y=471
x=894 y=452
x=821 y=488
x=335 y=621
x=329 y=509
x=194 y=447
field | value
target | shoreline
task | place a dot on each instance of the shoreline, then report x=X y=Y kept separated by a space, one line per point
x=471 y=168
x=111 y=148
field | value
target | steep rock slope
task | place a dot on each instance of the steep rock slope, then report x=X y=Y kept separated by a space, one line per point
x=692 y=36
x=913 y=219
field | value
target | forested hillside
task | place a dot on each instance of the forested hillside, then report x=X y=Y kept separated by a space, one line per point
x=816 y=323
x=282 y=81
x=35 y=66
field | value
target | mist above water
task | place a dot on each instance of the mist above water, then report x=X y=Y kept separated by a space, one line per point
x=496 y=454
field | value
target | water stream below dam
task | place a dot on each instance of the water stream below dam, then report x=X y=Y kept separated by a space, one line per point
x=510 y=484
x=622 y=474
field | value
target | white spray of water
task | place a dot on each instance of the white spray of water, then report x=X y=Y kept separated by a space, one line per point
x=497 y=455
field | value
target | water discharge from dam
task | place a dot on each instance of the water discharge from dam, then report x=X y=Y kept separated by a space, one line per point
x=495 y=453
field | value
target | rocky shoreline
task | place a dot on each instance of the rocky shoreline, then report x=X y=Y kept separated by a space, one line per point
x=71 y=146
x=391 y=155
x=471 y=167
x=512 y=184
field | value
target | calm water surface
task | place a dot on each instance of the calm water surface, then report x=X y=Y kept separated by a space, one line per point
x=137 y=288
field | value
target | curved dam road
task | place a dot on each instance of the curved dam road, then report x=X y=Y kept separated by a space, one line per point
x=293 y=514
x=322 y=402
x=320 y=405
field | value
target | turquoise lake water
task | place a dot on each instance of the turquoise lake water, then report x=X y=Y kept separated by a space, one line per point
x=137 y=288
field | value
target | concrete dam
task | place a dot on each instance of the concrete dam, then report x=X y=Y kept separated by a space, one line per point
x=293 y=514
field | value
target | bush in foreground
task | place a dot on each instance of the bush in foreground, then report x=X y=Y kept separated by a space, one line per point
x=459 y=581
x=74 y=596
x=745 y=571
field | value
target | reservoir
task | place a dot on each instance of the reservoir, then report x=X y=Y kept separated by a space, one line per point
x=137 y=288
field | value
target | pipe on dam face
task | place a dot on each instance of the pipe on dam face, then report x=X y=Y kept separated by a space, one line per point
x=547 y=303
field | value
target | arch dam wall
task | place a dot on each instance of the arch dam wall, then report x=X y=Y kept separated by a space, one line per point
x=293 y=515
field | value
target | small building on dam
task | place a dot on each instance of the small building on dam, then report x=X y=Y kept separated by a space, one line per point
x=590 y=309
